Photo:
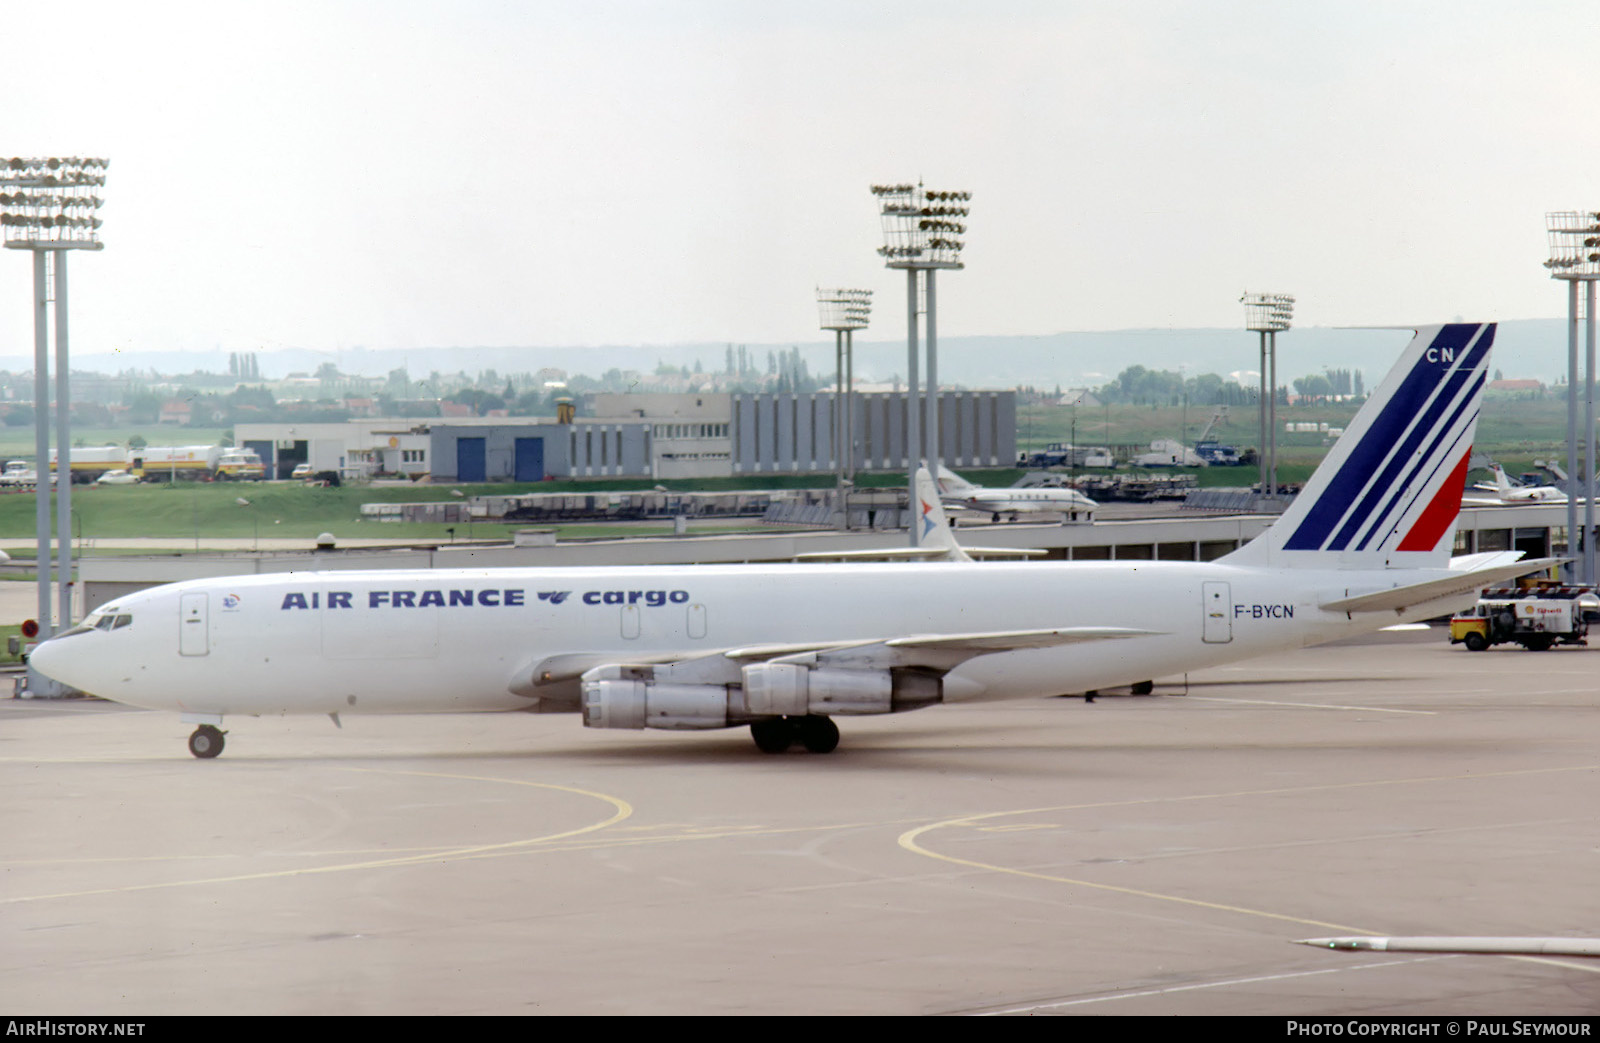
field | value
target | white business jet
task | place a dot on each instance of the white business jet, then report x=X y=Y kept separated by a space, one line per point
x=1509 y=493
x=786 y=648
x=956 y=493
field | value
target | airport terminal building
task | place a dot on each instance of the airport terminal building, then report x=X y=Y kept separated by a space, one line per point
x=644 y=436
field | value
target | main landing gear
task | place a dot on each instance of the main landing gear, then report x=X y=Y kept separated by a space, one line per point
x=206 y=742
x=775 y=734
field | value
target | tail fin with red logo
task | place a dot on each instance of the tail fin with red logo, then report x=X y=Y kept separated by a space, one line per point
x=933 y=528
x=1388 y=493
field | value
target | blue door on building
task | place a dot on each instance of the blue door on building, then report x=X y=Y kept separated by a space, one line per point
x=470 y=465
x=530 y=460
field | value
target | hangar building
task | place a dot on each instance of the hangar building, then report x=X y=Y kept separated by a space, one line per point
x=656 y=436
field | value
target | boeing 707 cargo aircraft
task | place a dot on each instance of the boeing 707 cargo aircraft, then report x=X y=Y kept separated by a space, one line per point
x=786 y=649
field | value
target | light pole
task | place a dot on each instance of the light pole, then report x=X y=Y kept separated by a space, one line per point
x=49 y=206
x=1268 y=314
x=922 y=231
x=844 y=312
x=1575 y=257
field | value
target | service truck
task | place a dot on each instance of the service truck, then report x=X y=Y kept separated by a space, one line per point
x=160 y=463
x=1535 y=615
x=88 y=462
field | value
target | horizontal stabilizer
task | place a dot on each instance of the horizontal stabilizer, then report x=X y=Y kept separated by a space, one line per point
x=1485 y=559
x=1398 y=599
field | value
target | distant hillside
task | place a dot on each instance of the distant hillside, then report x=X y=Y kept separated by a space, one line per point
x=1533 y=348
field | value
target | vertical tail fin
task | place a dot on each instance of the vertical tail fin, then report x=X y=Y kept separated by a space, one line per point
x=933 y=527
x=1387 y=494
x=950 y=483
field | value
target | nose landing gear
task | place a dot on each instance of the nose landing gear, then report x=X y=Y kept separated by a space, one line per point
x=206 y=742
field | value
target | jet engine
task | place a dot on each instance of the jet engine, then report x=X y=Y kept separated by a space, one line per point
x=612 y=702
x=632 y=696
x=792 y=690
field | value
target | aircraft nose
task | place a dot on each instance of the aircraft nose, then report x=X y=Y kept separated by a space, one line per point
x=52 y=660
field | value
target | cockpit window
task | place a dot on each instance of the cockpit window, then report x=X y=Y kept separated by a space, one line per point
x=105 y=622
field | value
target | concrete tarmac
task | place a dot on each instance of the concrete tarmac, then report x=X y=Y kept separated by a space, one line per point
x=1141 y=855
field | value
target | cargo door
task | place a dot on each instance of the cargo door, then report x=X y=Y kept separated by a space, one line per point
x=1217 y=628
x=529 y=463
x=193 y=627
x=471 y=460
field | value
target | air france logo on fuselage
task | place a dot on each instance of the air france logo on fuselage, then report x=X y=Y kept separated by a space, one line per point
x=487 y=598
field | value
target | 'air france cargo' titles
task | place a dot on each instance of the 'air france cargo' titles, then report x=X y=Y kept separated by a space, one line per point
x=490 y=598
x=783 y=649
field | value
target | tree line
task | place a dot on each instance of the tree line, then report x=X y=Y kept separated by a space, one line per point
x=1138 y=385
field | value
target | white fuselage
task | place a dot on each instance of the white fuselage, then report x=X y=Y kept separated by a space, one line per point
x=1537 y=494
x=438 y=641
x=1022 y=501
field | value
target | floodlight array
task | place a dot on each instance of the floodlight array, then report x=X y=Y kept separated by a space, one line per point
x=844 y=309
x=51 y=201
x=1267 y=312
x=1574 y=244
x=921 y=229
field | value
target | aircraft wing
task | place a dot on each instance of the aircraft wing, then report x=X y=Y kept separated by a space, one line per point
x=882 y=554
x=947 y=651
x=918 y=554
x=936 y=651
x=1010 y=640
x=1410 y=595
x=1552 y=946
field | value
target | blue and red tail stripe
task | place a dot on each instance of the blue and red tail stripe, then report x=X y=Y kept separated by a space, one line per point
x=1443 y=448
x=1416 y=433
x=1435 y=521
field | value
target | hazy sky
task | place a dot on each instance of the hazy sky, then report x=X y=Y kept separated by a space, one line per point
x=403 y=174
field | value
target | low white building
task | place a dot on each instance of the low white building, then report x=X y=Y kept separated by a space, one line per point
x=351 y=449
x=690 y=433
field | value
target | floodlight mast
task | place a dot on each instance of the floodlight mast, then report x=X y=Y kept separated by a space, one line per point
x=50 y=205
x=1575 y=257
x=844 y=312
x=923 y=231
x=1268 y=314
